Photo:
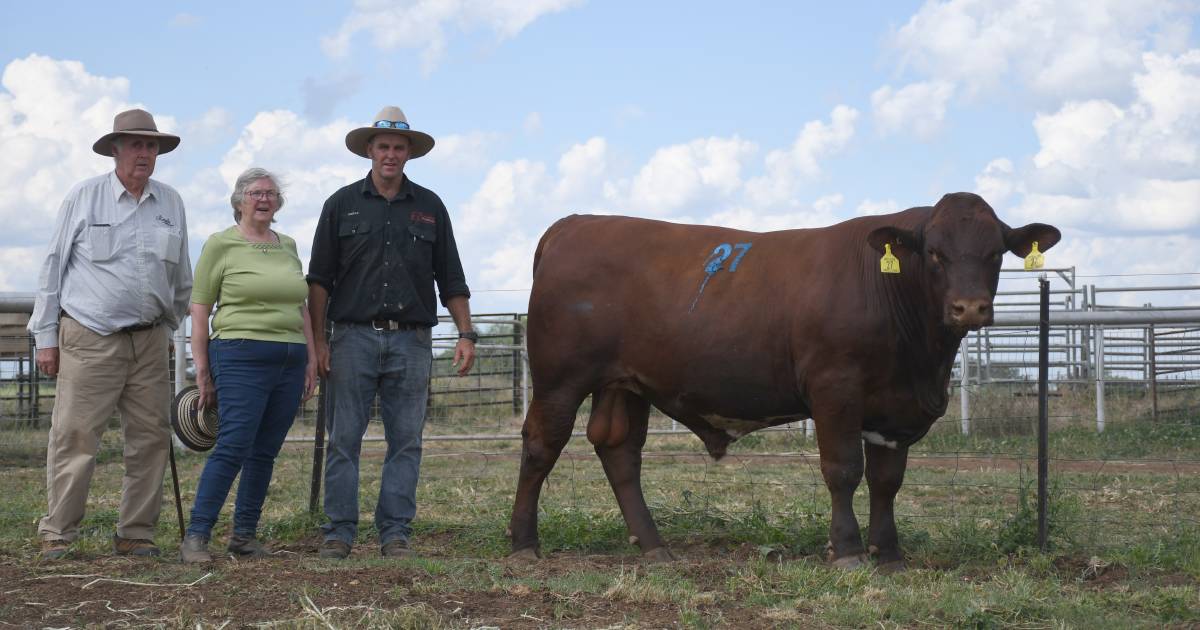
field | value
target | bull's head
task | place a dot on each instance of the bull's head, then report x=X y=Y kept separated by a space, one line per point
x=959 y=251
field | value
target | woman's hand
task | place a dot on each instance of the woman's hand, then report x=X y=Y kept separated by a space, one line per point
x=208 y=391
x=310 y=378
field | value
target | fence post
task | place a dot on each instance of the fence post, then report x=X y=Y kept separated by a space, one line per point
x=181 y=356
x=518 y=367
x=964 y=402
x=1153 y=375
x=1099 y=335
x=1043 y=412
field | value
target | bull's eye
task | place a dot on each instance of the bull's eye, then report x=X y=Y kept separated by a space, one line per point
x=997 y=257
x=935 y=256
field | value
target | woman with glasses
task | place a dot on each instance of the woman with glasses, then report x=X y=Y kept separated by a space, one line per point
x=257 y=364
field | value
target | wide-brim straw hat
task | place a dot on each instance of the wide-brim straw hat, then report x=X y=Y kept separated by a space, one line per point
x=197 y=432
x=135 y=122
x=389 y=120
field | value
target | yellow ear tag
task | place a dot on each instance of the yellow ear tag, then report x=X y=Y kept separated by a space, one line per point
x=889 y=263
x=1035 y=259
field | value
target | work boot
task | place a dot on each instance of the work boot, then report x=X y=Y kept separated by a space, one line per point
x=246 y=547
x=334 y=549
x=194 y=549
x=54 y=549
x=139 y=547
x=397 y=548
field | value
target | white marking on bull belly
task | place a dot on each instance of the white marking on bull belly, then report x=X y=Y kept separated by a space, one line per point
x=737 y=427
x=874 y=437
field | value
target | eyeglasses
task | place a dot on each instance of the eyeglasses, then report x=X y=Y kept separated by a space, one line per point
x=391 y=124
x=259 y=195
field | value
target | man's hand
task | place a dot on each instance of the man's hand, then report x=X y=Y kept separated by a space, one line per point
x=324 y=366
x=464 y=356
x=47 y=361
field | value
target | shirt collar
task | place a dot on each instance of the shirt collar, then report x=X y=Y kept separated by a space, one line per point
x=118 y=188
x=368 y=187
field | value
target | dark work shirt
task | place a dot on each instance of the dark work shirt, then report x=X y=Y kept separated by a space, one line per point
x=379 y=259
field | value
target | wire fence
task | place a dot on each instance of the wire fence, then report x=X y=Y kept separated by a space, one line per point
x=1124 y=417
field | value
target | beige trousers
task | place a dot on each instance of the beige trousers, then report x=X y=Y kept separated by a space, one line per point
x=97 y=374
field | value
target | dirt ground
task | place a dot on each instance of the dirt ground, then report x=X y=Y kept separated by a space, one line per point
x=117 y=592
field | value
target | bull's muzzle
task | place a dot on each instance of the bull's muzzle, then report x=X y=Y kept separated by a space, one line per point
x=971 y=314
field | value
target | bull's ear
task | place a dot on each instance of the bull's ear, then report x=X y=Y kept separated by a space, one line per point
x=902 y=241
x=1020 y=240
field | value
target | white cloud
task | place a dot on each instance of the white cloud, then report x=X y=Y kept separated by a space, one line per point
x=422 y=24
x=508 y=189
x=702 y=170
x=1108 y=167
x=872 y=207
x=995 y=183
x=786 y=168
x=209 y=127
x=918 y=108
x=51 y=111
x=20 y=267
x=464 y=151
x=1064 y=50
x=184 y=20
x=533 y=123
x=582 y=170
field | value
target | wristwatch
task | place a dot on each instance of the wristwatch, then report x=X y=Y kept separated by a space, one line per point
x=470 y=335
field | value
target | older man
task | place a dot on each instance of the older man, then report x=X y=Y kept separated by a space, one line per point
x=116 y=280
x=381 y=245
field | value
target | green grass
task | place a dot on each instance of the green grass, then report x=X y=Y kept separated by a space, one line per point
x=1124 y=543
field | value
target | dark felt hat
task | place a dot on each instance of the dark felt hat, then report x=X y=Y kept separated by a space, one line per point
x=197 y=432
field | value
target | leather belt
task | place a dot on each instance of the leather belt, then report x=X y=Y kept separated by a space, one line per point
x=128 y=329
x=391 y=324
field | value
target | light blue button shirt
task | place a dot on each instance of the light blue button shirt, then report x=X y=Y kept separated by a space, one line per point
x=114 y=261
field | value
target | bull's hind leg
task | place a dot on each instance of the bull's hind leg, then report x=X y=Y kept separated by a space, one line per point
x=885 y=473
x=617 y=429
x=547 y=429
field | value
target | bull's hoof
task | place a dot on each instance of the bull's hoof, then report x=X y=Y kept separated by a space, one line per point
x=890 y=568
x=528 y=554
x=659 y=554
x=851 y=563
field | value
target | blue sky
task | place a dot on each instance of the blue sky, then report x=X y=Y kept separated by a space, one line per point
x=763 y=115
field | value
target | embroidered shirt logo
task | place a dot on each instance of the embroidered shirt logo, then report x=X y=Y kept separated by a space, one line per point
x=421 y=217
x=164 y=220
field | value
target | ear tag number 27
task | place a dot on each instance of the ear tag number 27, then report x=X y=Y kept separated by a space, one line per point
x=889 y=263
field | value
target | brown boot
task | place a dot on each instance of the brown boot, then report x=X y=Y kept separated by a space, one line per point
x=397 y=548
x=54 y=549
x=139 y=547
x=246 y=547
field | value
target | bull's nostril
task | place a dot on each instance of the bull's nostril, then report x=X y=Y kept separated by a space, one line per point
x=985 y=309
x=958 y=309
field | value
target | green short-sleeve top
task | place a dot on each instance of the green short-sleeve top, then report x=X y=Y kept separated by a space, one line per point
x=258 y=288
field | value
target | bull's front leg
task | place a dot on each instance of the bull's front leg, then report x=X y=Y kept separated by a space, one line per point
x=840 y=442
x=885 y=474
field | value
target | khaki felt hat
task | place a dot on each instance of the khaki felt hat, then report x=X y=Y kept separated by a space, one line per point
x=389 y=120
x=135 y=122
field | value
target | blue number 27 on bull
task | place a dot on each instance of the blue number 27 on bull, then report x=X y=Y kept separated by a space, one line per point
x=716 y=260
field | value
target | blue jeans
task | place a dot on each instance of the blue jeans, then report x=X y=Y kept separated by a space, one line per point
x=395 y=365
x=259 y=385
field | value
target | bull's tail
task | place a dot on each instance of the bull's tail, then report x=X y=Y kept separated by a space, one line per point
x=550 y=232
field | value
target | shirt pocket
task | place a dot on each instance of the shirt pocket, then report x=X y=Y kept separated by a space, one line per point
x=166 y=245
x=354 y=228
x=420 y=245
x=100 y=241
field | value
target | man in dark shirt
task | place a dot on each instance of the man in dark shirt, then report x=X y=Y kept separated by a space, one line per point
x=381 y=245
